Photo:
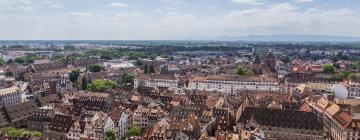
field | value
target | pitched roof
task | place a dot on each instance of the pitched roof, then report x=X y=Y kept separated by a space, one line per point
x=115 y=113
x=61 y=123
x=305 y=108
x=322 y=103
x=343 y=118
x=5 y=91
x=3 y=120
x=333 y=109
x=282 y=118
x=21 y=110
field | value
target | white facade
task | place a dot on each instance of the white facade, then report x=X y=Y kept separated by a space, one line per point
x=337 y=131
x=109 y=124
x=333 y=127
x=152 y=82
x=354 y=92
x=233 y=86
x=10 y=96
x=123 y=122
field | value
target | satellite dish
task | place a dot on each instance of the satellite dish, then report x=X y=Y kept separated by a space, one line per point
x=340 y=91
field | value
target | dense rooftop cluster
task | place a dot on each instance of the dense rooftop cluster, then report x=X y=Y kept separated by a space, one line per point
x=246 y=93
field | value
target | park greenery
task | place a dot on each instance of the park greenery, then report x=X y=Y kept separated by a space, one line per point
x=356 y=65
x=110 y=134
x=95 y=68
x=243 y=71
x=16 y=133
x=74 y=75
x=285 y=59
x=26 y=59
x=132 y=55
x=132 y=131
x=2 y=62
x=128 y=79
x=329 y=68
x=100 y=85
x=343 y=75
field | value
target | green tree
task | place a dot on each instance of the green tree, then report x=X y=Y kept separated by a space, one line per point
x=26 y=59
x=344 y=75
x=351 y=76
x=2 y=62
x=16 y=133
x=132 y=131
x=128 y=79
x=285 y=59
x=336 y=65
x=328 y=68
x=30 y=58
x=99 y=85
x=153 y=56
x=110 y=134
x=60 y=58
x=95 y=68
x=243 y=71
x=10 y=61
x=20 y=60
x=74 y=75
x=69 y=48
x=106 y=57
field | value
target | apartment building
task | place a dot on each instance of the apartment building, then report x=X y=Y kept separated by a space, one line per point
x=231 y=84
x=10 y=96
x=140 y=117
x=166 y=81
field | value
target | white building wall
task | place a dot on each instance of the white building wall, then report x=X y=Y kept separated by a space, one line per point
x=123 y=122
x=157 y=83
x=229 y=86
x=10 y=96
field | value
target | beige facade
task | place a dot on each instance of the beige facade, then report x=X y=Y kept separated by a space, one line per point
x=10 y=96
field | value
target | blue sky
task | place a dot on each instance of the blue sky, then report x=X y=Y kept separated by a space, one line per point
x=175 y=19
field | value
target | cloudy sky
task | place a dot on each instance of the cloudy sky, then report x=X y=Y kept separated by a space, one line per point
x=175 y=19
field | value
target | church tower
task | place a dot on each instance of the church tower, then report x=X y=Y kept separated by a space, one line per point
x=256 y=65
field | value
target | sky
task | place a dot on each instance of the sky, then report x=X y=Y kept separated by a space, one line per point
x=174 y=19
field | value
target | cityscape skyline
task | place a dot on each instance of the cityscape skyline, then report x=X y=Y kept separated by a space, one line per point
x=175 y=19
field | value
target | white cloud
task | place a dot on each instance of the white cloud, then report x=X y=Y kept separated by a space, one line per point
x=81 y=14
x=304 y=1
x=17 y=5
x=279 y=18
x=118 y=5
x=286 y=19
x=56 y=6
x=250 y=2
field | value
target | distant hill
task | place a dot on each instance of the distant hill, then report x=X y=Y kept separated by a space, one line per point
x=291 y=38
